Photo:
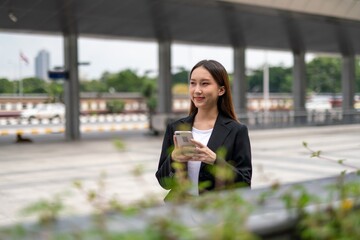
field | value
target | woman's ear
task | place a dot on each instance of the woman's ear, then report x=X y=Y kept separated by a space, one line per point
x=221 y=91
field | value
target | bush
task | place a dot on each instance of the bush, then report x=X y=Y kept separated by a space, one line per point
x=115 y=106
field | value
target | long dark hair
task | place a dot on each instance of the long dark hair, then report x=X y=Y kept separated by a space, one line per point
x=218 y=72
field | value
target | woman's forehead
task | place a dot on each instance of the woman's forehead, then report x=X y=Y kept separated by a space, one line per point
x=201 y=73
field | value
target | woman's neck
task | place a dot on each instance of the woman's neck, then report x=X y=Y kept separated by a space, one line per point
x=205 y=119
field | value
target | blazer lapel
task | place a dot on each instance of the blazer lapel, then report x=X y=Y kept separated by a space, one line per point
x=219 y=134
x=186 y=123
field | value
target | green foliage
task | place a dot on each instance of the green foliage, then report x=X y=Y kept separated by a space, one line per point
x=255 y=81
x=93 y=86
x=124 y=81
x=33 y=85
x=149 y=93
x=330 y=221
x=181 y=76
x=318 y=154
x=280 y=80
x=324 y=75
x=120 y=144
x=115 y=106
x=55 y=91
x=336 y=216
x=297 y=198
x=229 y=215
x=47 y=210
x=7 y=86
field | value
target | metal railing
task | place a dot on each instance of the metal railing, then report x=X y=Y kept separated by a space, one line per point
x=277 y=119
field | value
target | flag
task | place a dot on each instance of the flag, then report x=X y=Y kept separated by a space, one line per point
x=24 y=58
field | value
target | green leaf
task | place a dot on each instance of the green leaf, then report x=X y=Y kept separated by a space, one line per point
x=316 y=154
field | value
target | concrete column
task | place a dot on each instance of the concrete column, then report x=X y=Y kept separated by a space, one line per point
x=348 y=87
x=239 y=82
x=71 y=87
x=299 y=88
x=164 y=81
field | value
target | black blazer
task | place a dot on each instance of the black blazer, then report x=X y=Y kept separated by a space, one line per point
x=227 y=133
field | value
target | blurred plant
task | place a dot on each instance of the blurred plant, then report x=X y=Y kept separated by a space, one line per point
x=339 y=218
x=231 y=212
x=101 y=205
x=120 y=144
x=320 y=156
x=225 y=214
x=47 y=210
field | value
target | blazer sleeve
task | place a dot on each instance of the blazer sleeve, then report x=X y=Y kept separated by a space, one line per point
x=166 y=172
x=241 y=157
x=237 y=158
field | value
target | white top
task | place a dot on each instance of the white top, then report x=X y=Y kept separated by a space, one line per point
x=202 y=136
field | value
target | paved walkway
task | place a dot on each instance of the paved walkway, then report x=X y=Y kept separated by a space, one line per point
x=49 y=165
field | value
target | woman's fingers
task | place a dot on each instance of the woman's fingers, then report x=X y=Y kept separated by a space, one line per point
x=197 y=144
x=205 y=154
x=175 y=142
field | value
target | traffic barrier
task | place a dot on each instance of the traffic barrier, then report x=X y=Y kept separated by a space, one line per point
x=104 y=118
x=31 y=131
x=87 y=129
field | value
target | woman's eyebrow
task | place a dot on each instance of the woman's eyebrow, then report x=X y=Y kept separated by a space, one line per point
x=202 y=79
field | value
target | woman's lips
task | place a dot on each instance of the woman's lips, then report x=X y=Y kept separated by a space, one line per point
x=199 y=98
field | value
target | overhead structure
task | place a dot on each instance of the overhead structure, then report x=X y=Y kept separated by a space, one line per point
x=318 y=26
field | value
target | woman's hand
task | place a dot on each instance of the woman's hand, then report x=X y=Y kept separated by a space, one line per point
x=203 y=153
x=182 y=154
x=198 y=152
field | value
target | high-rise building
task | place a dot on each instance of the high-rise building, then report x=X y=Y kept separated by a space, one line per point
x=42 y=65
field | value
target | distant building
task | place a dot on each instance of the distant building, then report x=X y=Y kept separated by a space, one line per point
x=42 y=65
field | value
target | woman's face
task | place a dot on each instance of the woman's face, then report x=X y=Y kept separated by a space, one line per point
x=204 y=90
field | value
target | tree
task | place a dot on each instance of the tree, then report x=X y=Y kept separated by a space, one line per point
x=33 y=85
x=255 y=81
x=124 y=81
x=6 y=86
x=280 y=80
x=115 y=106
x=180 y=77
x=149 y=93
x=324 y=75
x=93 y=86
x=55 y=90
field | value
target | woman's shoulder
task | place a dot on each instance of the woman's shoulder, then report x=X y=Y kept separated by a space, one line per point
x=232 y=123
x=181 y=123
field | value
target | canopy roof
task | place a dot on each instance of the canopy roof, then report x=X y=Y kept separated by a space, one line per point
x=229 y=23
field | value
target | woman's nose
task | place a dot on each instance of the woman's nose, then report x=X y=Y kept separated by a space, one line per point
x=197 y=89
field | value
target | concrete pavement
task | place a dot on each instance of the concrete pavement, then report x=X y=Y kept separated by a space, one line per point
x=49 y=165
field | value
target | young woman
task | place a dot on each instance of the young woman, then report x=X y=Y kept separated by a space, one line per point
x=219 y=139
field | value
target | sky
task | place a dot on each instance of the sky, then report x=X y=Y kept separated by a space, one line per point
x=114 y=55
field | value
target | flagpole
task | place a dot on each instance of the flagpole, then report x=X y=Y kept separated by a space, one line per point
x=22 y=57
x=20 y=78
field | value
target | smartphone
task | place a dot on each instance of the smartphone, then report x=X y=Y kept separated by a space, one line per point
x=183 y=138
